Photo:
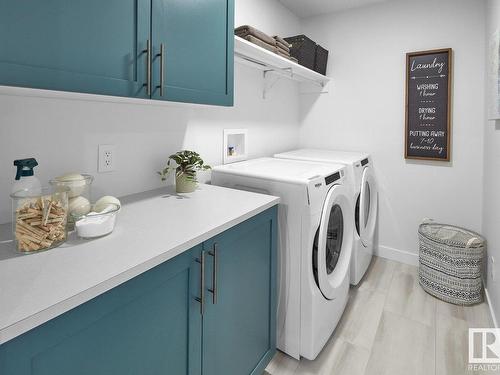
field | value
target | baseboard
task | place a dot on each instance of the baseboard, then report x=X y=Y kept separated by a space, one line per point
x=397 y=255
x=492 y=313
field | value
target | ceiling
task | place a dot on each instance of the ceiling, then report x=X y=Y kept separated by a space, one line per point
x=307 y=8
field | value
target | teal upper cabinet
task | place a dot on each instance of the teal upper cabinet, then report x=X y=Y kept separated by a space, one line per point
x=101 y=47
x=90 y=46
x=193 y=50
x=239 y=325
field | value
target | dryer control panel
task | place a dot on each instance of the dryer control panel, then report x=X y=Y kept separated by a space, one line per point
x=319 y=187
x=333 y=177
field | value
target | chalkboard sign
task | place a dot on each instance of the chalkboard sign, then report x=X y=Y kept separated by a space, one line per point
x=428 y=97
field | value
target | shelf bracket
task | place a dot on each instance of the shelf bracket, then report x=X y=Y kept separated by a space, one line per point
x=317 y=88
x=271 y=79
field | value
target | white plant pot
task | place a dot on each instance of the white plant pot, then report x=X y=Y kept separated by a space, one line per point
x=183 y=185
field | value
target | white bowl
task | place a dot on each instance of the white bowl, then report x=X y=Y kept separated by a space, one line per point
x=95 y=224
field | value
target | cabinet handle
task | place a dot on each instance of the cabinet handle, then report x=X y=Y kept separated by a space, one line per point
x=161 y=55
x=213 y=253
x=201 y=298
x=147 y=51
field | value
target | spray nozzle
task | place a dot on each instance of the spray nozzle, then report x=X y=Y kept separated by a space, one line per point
x=25 y=167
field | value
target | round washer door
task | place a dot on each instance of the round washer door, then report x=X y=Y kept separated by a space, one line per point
x=368 y=203
x=334 y=241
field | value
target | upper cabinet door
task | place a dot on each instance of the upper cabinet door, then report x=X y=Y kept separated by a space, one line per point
x=198 y=51
x=89 y=46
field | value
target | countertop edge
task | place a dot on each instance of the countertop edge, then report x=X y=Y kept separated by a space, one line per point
x=14 y=330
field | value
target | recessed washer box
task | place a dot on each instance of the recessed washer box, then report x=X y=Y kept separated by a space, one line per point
x=235 y=145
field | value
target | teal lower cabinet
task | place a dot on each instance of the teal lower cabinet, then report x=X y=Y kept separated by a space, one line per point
x=149 y=325
x=240 y=319
x=169 y=320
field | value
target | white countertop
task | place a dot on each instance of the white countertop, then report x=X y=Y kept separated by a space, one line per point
x=152 y=227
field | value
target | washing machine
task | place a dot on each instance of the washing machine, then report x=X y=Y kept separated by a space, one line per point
x=364 y=199
x=315 y=219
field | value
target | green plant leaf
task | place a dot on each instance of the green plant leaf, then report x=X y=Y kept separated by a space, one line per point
x=188 y=162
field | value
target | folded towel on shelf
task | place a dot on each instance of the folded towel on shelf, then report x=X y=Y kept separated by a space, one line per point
x=283 y=47
x=260 y=43
x=285 y=52
x=245 y=36
x=283 y=42
x=246 y=30
x=287 y=56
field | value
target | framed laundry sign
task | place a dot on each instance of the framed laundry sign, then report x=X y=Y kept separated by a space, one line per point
x=428 y=105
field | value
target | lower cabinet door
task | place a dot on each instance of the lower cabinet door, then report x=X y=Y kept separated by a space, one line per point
x=239 y=326
x=150 y=325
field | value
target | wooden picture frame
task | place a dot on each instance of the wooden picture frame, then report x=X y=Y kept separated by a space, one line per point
x=428 y=99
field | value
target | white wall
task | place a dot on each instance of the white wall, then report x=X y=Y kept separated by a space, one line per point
x=64 y=134
x=491 y=213
x=269 y=16
x=364 y=109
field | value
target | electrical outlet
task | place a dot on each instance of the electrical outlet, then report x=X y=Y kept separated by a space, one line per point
x=107 y=158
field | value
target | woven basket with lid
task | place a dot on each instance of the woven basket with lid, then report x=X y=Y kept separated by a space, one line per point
x=451 y=263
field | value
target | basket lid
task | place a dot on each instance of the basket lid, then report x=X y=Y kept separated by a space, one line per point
x=451 y=235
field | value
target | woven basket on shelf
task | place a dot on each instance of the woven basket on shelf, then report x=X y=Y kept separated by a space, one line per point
x=321 y=60
x=303 y=49
x=451 y=263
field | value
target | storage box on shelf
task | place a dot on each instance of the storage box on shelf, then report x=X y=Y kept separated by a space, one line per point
x=321 y=60
x=303 y=49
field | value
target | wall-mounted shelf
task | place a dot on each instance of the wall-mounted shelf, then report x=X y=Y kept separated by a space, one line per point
x=250 y=54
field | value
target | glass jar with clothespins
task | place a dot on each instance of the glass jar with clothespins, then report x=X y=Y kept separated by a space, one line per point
x=40 y=218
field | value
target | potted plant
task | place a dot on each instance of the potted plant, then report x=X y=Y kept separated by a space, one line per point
x=188 y=163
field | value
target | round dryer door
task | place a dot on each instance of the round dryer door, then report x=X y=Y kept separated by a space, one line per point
x=334 y=241
x=367 y=207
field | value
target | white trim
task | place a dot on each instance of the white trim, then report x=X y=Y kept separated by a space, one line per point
x=492 y=313
x=397 y=255
x=67 y=95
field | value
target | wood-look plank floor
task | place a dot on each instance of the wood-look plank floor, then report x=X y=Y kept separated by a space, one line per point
x=392 y=327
